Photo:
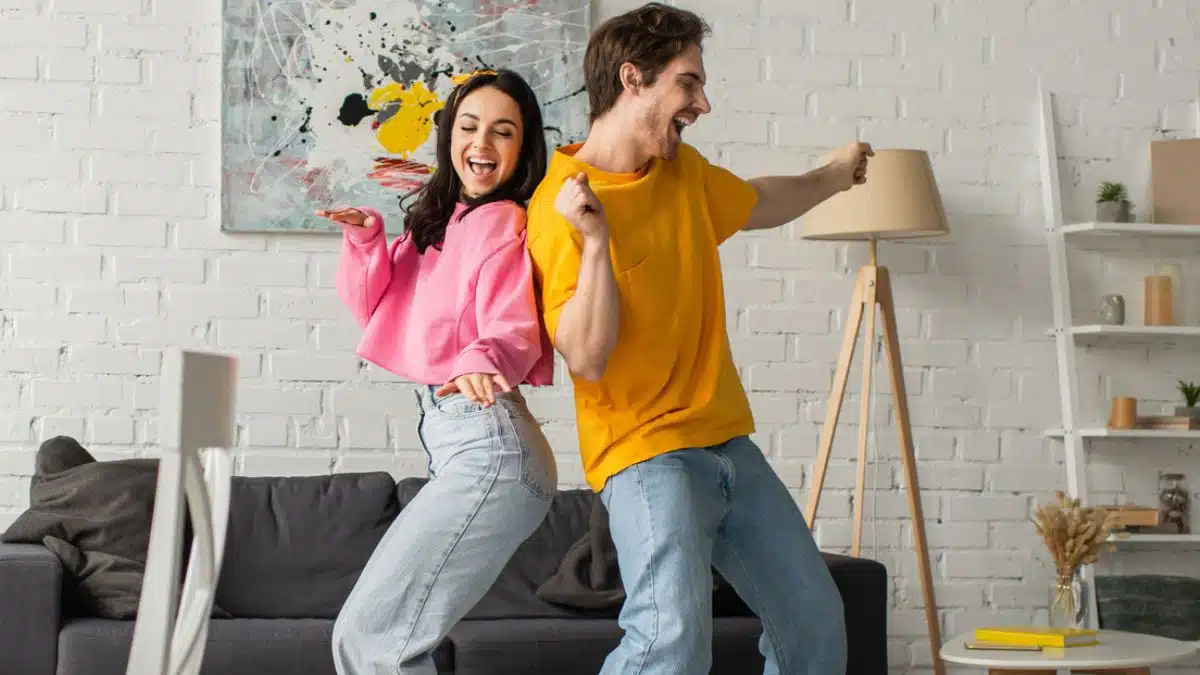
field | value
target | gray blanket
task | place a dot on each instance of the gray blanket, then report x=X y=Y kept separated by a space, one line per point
x=588 y=578
x=95 y=516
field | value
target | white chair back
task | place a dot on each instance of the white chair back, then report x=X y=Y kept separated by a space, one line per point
x=196 y=413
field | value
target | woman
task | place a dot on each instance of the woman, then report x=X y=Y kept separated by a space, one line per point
x=450 y=305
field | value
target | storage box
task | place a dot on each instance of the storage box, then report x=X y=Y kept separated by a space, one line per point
x=1129 y=516
x=1167 y=606
x=1175 y=181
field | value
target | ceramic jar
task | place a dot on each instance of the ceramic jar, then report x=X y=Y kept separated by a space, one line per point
x=1112 y=310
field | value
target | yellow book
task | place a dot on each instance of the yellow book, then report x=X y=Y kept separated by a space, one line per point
x=1038 y=636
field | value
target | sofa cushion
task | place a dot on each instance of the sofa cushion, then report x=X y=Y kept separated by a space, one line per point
x=95 y=517
x=296 y=545
x=579 y=646
x=235 y=647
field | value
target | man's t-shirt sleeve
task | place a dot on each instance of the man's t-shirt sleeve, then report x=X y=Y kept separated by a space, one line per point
x=730 y=198
x=555 y=250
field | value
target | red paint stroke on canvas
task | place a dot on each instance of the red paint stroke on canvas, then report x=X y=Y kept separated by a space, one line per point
x=399 y=174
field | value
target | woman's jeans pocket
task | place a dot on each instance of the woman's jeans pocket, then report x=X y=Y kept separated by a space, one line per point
x=539 y=470
x=505 y=436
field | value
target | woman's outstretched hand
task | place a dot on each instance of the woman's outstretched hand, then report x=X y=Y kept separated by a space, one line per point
x=349 y=217
x=476 y=387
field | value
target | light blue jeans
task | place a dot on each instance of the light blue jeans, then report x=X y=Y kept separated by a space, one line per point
x=492 y=479
x=676 y=516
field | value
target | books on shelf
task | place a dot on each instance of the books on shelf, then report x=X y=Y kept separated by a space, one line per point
x=1036 y=636
x=1132 y=517
x=1174 y=422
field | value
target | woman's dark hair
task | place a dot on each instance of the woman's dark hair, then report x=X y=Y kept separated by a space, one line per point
x=429 y=215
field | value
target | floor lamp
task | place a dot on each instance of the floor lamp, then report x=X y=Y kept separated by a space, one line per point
x=899 y=200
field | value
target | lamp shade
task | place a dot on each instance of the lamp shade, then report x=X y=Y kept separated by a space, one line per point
x=899 y=200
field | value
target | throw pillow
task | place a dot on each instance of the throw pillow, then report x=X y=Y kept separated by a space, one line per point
x=296 y=545
x=95 y=517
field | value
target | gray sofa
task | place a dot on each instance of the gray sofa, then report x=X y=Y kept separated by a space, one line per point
x=294 y=550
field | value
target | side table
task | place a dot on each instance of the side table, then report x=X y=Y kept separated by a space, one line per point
x=1118 y=653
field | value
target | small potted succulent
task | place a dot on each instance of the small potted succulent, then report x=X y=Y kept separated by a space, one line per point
x=1191 y=395
x=1112 y=203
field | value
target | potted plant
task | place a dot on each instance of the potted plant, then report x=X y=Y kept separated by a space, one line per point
x=1112 y=203
x=1191 y=394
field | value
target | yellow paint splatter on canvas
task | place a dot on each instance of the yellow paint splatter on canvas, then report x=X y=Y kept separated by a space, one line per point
x=410 y=127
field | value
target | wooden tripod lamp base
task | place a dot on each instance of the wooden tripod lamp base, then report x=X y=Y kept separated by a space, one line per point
x=898 y=200
x=873 y=289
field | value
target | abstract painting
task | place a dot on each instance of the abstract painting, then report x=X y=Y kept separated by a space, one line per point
x=331 y=103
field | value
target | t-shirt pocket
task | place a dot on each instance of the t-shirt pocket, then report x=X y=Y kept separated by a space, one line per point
x=646 y=289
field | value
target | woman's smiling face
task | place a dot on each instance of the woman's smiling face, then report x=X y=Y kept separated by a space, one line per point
x=485 y=144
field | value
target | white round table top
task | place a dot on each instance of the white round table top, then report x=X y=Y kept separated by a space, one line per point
x=1116 y=650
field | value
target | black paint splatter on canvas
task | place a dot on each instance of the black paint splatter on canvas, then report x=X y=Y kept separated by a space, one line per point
x=354 y=110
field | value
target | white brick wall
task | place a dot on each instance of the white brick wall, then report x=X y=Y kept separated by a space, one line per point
x=110 y=251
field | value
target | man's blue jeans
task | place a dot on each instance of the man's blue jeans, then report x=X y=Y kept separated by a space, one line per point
x=677 y=515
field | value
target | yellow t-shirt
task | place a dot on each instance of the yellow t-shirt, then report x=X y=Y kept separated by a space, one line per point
x=670 y=382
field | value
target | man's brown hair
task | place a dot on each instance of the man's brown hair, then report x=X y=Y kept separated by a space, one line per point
x=648 y=37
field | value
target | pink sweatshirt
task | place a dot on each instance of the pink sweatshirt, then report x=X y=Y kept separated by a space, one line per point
x=469 y=308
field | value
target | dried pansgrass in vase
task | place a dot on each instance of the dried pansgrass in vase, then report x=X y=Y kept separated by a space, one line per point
x=1075 y=536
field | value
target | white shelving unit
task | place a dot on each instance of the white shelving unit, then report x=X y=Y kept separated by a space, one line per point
x=1150 y=539
x=1068 y=336
x=1095 y=334
x=1138 y=229
x=1104 y=432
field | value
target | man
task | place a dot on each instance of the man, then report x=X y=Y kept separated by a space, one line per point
x=624 y=233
